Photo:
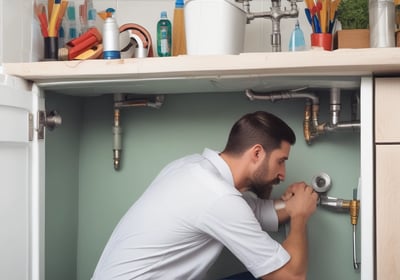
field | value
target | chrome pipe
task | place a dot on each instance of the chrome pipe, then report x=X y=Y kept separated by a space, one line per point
x=356 y=264
x=117 y=140
x=335 y=105
x=343 y=126
x=332 y=202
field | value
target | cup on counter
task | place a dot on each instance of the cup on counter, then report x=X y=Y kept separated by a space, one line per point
x=323 y=40
x=50 y=48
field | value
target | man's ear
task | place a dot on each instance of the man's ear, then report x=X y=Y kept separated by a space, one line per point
x=257 y=152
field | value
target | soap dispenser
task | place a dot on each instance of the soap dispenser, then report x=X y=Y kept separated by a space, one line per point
x=297 y=42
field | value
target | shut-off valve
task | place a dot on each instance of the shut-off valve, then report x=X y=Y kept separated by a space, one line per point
x=321 y=183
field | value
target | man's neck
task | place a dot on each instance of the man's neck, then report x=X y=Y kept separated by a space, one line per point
x=238 y=169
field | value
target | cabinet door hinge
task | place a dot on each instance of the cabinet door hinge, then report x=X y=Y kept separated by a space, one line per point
x=30 y=127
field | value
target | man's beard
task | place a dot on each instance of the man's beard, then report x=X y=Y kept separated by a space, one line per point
x=261 y=187
x=264 y=190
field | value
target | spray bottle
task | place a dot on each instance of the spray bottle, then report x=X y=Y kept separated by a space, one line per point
x=297 y=42
x=111 y=36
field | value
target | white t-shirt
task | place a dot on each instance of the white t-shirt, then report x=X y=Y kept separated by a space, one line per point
x=178 y=227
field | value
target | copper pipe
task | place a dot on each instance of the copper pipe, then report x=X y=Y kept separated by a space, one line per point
x=312 y=128
x=307 y=123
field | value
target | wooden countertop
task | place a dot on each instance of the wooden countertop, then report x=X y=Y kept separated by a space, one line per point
x=211 y=73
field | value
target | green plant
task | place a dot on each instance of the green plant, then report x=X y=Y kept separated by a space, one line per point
x=353 y=14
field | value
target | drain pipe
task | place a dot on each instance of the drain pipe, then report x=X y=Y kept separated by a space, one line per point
x=335 y=108
x=121 y=101
x=311 y=126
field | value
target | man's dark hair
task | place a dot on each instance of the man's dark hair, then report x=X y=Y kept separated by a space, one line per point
x=258 y=128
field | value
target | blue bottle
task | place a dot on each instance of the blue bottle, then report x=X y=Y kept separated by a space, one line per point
x=164 y=35
x=297 y=42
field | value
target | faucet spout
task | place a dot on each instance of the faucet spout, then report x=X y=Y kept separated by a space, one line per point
x=275 y=14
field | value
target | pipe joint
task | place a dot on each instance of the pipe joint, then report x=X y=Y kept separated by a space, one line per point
x=312 y=128
x=121 y=101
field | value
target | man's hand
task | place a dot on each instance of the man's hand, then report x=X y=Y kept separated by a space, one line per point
x=300 y=200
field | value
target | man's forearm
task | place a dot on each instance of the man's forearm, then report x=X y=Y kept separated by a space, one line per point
x=297 y=246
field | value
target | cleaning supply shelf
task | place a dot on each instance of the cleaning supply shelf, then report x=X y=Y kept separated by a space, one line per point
x=341 y=68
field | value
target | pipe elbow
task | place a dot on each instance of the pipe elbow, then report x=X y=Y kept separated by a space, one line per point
x=250 y=95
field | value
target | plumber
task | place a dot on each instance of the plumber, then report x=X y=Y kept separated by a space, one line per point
x=202 y=202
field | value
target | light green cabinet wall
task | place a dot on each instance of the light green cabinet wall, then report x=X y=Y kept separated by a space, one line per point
x=85 y=197
x=62 y=190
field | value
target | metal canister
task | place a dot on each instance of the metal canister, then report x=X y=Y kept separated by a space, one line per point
x=382 y=23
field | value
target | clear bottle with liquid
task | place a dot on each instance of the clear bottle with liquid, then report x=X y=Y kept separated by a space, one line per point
x=297 y=42
x=164 y=35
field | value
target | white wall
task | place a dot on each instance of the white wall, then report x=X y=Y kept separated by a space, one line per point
x=147 y=12
x=21 y=41
x=16 y=18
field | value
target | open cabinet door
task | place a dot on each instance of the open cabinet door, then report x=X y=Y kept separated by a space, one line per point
x=21 y=181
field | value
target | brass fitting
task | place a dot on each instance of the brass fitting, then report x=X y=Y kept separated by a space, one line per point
x=354 y=210
x=346 y=204
x=354 y=207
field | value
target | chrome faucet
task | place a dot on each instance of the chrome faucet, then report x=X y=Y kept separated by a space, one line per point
x=275 y=14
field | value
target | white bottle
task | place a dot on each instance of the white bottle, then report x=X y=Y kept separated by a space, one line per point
x=111 y=39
